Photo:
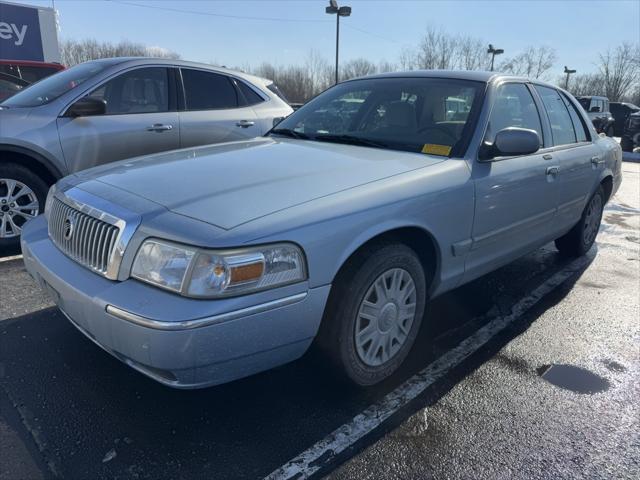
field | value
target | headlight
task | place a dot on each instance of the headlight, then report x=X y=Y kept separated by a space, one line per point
x=195 y=272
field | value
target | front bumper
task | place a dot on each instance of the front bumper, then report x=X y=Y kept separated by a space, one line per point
x=180 y=342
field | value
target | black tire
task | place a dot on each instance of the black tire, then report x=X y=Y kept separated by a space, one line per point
x=627 y=144
x=576 y=242
x=34 y=182
x=610 y=131
x=336 y=339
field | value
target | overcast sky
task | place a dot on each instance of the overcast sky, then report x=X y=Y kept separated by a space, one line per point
x=284 y=32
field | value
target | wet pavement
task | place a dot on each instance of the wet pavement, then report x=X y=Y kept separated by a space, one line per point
x=509 y=409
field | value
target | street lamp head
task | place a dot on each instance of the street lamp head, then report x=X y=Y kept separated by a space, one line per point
x=567 y=70
x=333 y=3
x=344 y=11
x=498 y=51
x=331 y=10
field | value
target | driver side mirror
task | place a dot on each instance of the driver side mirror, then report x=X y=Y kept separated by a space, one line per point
x=511 y=142
x=594 y=110
x=87 y=107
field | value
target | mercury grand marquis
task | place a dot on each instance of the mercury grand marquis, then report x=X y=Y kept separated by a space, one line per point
x=204 y=265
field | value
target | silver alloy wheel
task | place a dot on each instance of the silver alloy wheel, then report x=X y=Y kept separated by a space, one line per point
x=592 y=220
x=385 y=317
x=18 y=203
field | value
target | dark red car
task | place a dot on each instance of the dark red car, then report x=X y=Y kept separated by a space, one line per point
x=29 y=71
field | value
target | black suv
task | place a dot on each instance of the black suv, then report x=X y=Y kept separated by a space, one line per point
x=621 y=112
x=631 y=136
x=598 y=110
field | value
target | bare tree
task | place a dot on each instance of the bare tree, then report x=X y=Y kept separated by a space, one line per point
x=533 y=62
x=585 y=84
x=471 y=53
x=358 y=67
x=620 y=69
x=436 y=50
x=73 y=51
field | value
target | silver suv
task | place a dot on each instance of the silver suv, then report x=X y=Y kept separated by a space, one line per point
x=112 y=109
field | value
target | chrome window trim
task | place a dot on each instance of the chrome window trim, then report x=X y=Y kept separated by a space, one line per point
x=204 y=321
x=100 y=209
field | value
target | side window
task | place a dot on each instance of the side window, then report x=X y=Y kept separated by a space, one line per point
x=514 y=107
x=578 y=123
x=144 y=90
x=562 y=131
x=249 y=94
x=208 y=91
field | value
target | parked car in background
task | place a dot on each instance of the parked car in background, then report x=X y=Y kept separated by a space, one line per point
x=29 y=71
x=598 y=110
x=10 y=85
x=107 y=110
x=631 y=135
x=620 y=112
x=200 y=266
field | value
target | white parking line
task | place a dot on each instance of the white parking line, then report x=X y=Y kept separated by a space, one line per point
x=8 y=259
x=311 y=460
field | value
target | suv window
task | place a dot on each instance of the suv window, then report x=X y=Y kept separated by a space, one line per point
x=251 y=97
x=578 y=124
x=144 y=90
x=208 y=91
x=514 y=107
x=562 y=131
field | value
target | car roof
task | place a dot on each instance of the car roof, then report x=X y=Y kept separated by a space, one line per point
x=473 y=75
x=593 y=96
x=133 y=61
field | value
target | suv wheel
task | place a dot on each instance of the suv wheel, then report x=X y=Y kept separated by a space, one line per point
x=22 y=197
x=627 y=144
x=610 y=131
x=374 y=313
x=581 y=237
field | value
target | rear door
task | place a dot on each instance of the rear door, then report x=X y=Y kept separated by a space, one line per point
x=213 y=110
x=516 y=197
x=140 y=119
x=579 y=160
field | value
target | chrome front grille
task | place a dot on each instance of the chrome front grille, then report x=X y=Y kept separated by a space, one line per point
x=86 y=238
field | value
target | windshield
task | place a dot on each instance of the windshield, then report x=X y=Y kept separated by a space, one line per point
x=52 y=87
x=429 y=115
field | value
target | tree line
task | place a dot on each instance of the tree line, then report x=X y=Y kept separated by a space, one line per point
x=617 y=73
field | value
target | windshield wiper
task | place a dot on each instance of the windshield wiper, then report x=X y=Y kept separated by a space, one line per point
x=287 y=132
x=350 y=140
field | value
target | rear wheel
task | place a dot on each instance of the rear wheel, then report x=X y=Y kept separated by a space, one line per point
x=581 y=237
x=22 y=197
x=627 y=144
x=374 y=313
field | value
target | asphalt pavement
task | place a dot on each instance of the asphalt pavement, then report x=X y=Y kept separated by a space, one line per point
x=546 y=386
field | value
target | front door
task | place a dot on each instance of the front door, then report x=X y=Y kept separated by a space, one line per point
x=138 y=121
x=516 y=197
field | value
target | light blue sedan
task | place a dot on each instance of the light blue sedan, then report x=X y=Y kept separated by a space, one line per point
x=204 y=265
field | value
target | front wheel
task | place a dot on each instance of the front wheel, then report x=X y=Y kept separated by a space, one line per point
x=22 y=197
x=581 y=237
x=374 y=313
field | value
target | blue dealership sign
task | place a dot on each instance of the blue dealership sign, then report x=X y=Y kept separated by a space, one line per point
x=21 y=33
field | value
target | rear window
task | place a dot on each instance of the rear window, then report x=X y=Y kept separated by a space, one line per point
x=275 y=89
x=585 y=103
x=251 y=97
x=208 y=91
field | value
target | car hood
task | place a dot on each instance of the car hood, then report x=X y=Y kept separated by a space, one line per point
x=231 y=184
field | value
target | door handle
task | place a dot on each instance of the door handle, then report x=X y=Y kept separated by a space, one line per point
x=597 y=160
x=245 y=123
x=159 y=127
x=553 y=170
x=547 y=156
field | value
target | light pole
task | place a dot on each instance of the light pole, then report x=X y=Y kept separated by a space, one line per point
x=568 y=72
x=494 y=52
x=339 y=12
